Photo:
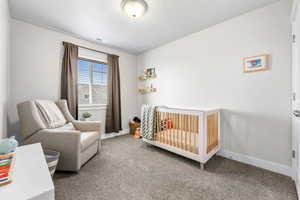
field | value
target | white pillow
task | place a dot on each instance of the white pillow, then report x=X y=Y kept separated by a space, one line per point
x=51 y=114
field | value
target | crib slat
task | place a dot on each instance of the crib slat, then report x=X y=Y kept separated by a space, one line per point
x=171 y=123
x=185 y=129
x=169 y=128
x=199 y=132
x=157 y=126
x=180 y=125
x=172 y=126
x=164 y=131
x=173 y=130
x=197 y=125
x=188 y=133
x=195 y=134
x=161 y=130
x=182 y=131
x=156 y=136
x=191 y=132
x=177 y=130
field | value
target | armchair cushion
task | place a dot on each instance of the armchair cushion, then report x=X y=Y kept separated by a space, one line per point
x=88 y=138
x=51 y=114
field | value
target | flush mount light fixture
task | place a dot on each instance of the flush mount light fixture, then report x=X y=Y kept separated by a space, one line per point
x=134 y=8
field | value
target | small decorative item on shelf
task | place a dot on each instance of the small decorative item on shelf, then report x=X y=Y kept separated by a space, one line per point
x=7 y=159
x=86 y=116
x=148 y=74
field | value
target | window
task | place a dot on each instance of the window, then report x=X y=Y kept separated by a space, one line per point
x=92 y=82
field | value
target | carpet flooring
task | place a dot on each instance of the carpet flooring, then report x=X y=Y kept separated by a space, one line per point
x=128 y=169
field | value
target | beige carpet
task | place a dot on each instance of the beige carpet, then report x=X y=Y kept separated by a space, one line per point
x=127 y=169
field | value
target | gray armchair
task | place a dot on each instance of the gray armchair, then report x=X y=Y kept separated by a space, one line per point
x=51 y=124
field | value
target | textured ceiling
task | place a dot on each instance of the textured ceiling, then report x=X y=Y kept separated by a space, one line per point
x=165 y=20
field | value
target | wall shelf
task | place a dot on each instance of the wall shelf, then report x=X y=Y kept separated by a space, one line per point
x=148 y=74
x=147 y=90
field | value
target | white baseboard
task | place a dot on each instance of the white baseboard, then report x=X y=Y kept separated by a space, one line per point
x=297 y=184
x=111 y=135
x=297 y=188
x=264 y=164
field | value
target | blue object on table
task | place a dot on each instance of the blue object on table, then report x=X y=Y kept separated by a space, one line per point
x=8 y=145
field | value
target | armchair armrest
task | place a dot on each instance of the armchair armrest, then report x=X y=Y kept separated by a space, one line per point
x=67 y=142
x=88 y=126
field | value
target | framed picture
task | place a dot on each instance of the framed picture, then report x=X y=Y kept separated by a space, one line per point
x=256 y=63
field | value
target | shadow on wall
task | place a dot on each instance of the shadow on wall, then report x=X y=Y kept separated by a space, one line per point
x=13 y=129
x=256 y=134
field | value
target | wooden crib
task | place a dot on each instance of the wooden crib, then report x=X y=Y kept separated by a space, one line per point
x=193 y=133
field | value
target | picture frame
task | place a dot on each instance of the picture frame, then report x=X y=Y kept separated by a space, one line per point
x=256 y=63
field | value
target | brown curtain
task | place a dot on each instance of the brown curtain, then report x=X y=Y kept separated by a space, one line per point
x=69 y=77
x=113 y=111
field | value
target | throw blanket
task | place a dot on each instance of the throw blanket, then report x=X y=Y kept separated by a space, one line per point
x=51 y=114
x=148 y=122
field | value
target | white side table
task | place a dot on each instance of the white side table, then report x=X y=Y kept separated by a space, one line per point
x=31 y=177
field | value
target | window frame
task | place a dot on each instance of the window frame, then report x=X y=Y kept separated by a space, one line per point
x=91 y=105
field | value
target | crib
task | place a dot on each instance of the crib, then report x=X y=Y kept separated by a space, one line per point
x=189 y=132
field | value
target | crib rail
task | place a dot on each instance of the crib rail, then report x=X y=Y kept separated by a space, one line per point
x=178 y=130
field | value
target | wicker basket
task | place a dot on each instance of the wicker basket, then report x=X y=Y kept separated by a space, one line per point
x=7 y=163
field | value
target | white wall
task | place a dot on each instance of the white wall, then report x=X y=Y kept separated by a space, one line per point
x=205 y=70
x=36 y=69
x=4 y=63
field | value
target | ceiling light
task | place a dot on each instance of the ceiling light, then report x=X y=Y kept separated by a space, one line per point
x=134 y=8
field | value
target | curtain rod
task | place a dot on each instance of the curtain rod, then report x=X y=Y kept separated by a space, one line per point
x=92 y=49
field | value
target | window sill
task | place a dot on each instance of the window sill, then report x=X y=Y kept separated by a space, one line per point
x=92 y=107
